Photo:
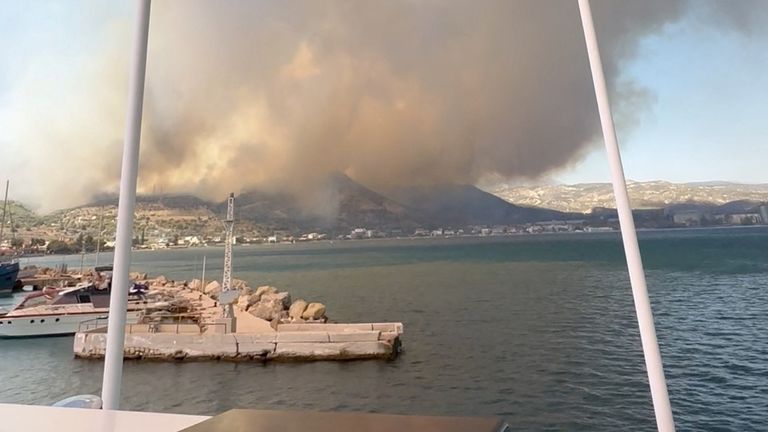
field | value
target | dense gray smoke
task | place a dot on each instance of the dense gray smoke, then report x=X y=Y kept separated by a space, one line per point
x=277 y=95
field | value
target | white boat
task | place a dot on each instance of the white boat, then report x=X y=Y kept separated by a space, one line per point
x=54 y=311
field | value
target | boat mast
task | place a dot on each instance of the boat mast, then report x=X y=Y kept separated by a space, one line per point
x=98 y=240
x=5 y=207
x=113 y=362
x=653 y=364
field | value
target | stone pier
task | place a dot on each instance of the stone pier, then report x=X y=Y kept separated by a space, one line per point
x=267 y=326
x=290 y=342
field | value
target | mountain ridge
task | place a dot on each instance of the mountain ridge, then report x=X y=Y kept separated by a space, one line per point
x=583 y=197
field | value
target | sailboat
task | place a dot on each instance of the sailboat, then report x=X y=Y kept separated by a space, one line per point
x=9 y=270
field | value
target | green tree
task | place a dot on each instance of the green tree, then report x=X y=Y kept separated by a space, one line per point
x=61 y=247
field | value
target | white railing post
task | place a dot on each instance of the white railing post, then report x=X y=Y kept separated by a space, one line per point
x=658 y=384
x=113 y=362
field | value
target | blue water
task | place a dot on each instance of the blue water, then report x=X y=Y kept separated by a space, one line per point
x=538 y=329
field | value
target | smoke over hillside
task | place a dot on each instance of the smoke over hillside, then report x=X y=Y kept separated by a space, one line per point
x=277 y=95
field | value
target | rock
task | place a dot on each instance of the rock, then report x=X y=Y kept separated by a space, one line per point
x=297 y=309
x=267 y=310
x=161 y=280
x=137 y=276
x=314 y=311
x=245 y=290
x=253 y=299
x=246 y=301
x=266 y=289
x=242 y=303
x=268 y=305
x=195 y=284
x=213 y=289
x=283 y=297
x=239 y=284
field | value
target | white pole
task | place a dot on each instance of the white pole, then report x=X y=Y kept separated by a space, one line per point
x=658 y=384
x=202 y=278
x=98 y=241
x=113 y=363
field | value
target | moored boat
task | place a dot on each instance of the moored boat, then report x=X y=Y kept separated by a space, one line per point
x=55 y=311
x=9 y=272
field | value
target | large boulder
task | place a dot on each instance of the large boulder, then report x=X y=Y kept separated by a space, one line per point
x=283 y=297
x=242 y=302
x=213 y=289
x=136 y=276
x=161 y=280
x=239 y=283
x=246 y=301
x=267 y=310
x=314 y=311
x=297 y=309
x=266 y=289
x=196 y=284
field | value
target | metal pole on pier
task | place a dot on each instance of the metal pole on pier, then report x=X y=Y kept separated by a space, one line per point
x=113 y=363
x=98 y=240
x=653 y=364
x=202 y=277
x=5 y=207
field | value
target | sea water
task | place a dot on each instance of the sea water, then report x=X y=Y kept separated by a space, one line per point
x=538 y=329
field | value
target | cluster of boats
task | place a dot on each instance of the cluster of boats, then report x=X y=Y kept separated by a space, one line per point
x=61 y=311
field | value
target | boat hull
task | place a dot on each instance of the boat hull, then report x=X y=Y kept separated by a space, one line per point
x=50 y=325
x=9 y=272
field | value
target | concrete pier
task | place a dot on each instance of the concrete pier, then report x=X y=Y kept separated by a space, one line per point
x=262 y=330
x=299 y=342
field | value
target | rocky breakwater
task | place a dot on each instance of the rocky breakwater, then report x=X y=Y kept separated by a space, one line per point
x=269 y=304
x=269 y=327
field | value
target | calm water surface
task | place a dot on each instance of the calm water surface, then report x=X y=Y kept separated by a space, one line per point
x=538 y=329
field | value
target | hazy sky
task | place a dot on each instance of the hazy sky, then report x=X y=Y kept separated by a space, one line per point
x=705 y=80
x=708 y=121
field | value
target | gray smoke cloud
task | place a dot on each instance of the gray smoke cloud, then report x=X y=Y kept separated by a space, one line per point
x=277 y=95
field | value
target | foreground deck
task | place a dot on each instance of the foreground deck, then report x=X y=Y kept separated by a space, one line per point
x=30 y=418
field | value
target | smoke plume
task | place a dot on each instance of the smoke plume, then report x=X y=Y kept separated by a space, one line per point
x=277 y=95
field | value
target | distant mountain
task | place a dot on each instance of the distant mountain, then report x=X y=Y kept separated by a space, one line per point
x=343 y=204
x=462 y=205
x=643 y=195
x=176 y=201
x=362 y=207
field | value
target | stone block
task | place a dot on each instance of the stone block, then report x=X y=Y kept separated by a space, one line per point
x=334 y=327
x=302 y=337
x=332 y=351
x=253 y=346
x=388 y=327
x=354 y=336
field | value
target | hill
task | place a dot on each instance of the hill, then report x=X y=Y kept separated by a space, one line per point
x=343 y=204
x=584 y=197
x=463 y=205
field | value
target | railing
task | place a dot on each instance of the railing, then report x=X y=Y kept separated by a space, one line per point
x=156 y=327
x=92 y=324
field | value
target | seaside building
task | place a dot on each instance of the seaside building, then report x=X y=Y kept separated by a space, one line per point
x=687 y=217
